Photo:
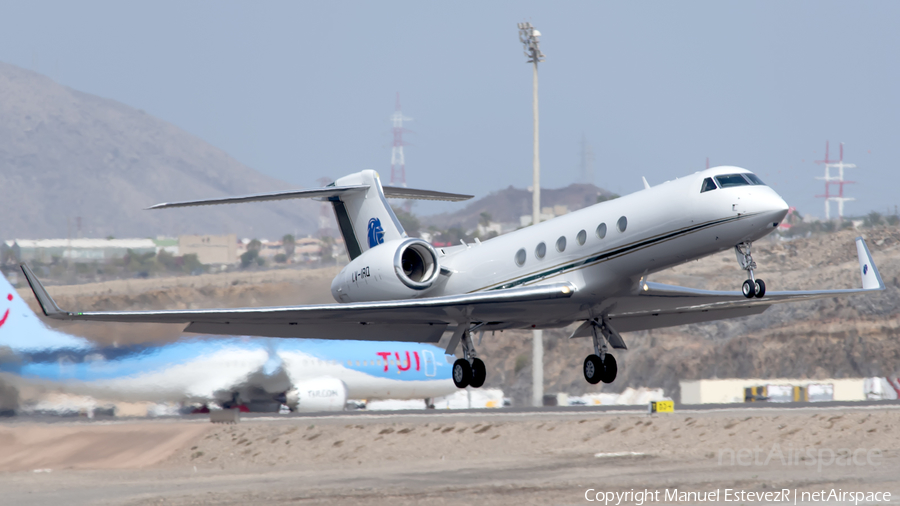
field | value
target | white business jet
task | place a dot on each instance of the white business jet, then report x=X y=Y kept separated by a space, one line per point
x=589 y=266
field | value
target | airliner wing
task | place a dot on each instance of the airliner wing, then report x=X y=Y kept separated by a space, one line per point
x=415 y=320
x=658 y=305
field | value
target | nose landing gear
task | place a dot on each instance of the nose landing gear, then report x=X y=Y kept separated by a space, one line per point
x=752 y=287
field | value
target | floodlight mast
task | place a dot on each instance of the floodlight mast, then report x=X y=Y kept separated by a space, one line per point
x=530 y=38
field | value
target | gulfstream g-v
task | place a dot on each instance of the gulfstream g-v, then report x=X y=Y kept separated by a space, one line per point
x=589 y=267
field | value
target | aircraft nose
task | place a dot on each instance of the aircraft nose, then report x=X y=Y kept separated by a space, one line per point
x=775 y=206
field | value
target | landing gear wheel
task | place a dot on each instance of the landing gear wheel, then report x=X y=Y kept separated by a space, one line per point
x=593 y=369
x=749 y=289
x=479 y=373
x=462 y=373
x=610 y=369
x=760 y=288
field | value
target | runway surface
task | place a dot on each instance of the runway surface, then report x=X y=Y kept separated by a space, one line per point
x=485 y=457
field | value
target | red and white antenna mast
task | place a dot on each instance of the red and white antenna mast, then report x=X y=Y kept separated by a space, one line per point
x=398 y=162
x=837 y=180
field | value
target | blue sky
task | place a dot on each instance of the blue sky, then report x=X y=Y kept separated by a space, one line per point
x=301 y=90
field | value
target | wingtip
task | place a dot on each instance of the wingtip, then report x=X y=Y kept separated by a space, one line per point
x=48 y=305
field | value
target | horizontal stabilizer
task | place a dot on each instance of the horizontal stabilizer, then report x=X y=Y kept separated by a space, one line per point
x=391 y=192
x=398 y=192
x=312 y=193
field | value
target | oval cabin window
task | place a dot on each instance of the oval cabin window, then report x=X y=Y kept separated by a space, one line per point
x=520 y=257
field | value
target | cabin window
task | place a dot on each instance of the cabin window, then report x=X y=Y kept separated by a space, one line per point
x=561 y=244
x=520 y=257
x=601 y=231
x=541 y=250
x=754 y=179
x=581 y=237
x=622 y=224
x=730 y=180
x=708 y=185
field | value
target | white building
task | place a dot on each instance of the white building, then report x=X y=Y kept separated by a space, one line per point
x=723 y=391
x=86 y=250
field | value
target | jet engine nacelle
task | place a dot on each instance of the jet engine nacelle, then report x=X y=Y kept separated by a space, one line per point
x=320 y=394
x=400 y=269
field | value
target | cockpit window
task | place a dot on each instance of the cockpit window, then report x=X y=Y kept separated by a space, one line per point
x=754 y=179
x=729 y=180
x=708 y=185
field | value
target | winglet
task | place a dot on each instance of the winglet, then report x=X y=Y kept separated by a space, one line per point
x=646 y=184
x=51 y=310
x=871 y=278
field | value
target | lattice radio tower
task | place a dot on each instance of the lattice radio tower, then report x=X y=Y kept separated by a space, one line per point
x=398 y=162
x=835 y=180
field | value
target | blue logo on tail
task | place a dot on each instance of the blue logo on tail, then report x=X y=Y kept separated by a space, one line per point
x=376 y=233
x=865 y=269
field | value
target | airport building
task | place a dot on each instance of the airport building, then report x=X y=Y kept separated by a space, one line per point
x=210 y=249
x=724 y=391
x=86 y=250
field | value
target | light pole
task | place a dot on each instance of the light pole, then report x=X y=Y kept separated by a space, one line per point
x=530 y=38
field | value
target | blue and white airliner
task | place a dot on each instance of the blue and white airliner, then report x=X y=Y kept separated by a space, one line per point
x=256 y=374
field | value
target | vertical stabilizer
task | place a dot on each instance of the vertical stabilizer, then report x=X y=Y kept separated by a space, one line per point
x=365 y=218
x=22 y=331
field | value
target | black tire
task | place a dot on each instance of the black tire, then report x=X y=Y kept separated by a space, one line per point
x=593 y=369
x=479 y=373
x=760 y=288
x=462 y=373
x=748 y=289
x=610 y=369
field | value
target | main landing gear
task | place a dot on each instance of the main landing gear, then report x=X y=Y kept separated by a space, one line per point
x=752 y=287
x=468 y=371
x=601 y=366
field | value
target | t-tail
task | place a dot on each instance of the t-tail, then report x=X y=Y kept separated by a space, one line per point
x=364 y=217
x=360 y=205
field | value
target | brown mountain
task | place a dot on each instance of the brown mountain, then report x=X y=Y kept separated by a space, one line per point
x=66 y=154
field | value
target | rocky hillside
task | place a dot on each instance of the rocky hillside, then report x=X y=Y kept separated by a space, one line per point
x=506 y=206
x=66 y=154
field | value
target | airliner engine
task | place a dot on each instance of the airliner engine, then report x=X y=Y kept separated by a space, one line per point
x=400 y=269
x=320 y=394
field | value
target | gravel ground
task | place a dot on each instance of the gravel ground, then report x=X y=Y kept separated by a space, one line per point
x=491 y=458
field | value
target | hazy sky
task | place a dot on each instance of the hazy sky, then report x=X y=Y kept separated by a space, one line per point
x=301 y=90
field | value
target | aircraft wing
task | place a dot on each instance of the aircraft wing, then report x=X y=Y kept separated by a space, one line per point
x=414 y=320
x=657 y=305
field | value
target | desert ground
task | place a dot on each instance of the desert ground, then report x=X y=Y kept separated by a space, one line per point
x=490 y=458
